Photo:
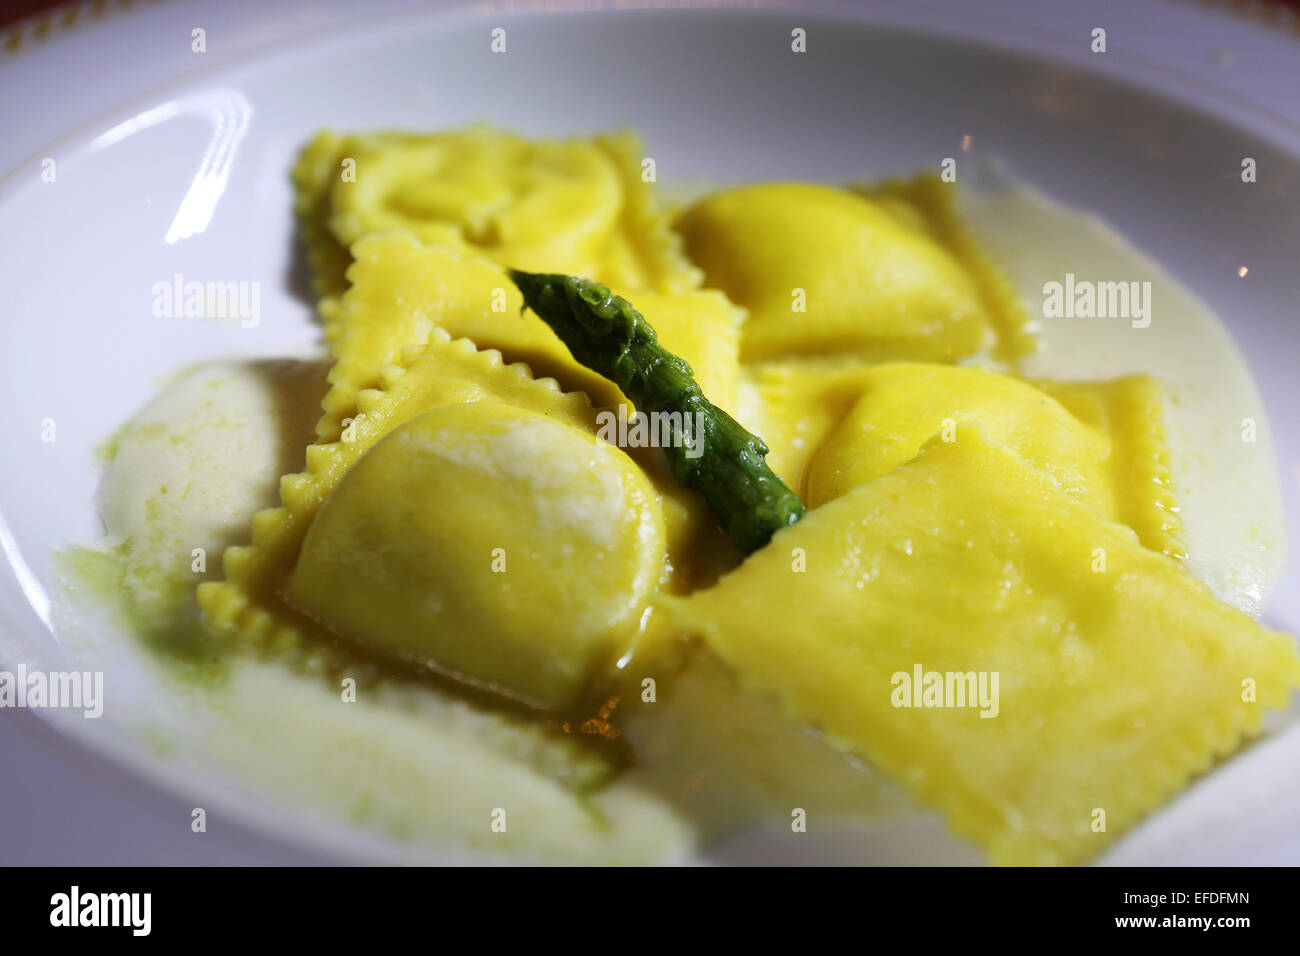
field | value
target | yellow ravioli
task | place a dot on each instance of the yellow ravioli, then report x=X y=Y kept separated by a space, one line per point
x=929 y=205
x=252 y=602
x=443 y=372
x=464 y=188
x=579 y=206
x=317 y=167
x=902 y=405
x=833 y=427
x=510 y=550
x=404 y=292
x=793 y=406
x=827 y=271
x=1119 y=675
x=402 y=289
x=1131 y=411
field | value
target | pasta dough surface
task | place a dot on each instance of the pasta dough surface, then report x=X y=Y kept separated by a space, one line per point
x=1118 y=680
x=1130 y=410
x=463 y=541
x=578 y=206
x=405 y=293
x=250 y=605
x=1104 y=442
x=674 y=531
x=402 y=289
x=903 y=405
x=827 y=271
x=834 y=427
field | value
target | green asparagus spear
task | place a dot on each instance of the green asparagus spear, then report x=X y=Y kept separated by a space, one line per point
x=606 y=334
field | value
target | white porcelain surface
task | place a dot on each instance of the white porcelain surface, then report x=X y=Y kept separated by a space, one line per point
x=174 y=162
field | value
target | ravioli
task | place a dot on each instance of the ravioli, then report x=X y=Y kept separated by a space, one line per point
x=404 y=293
x=315 y=170
x=903 y=405
x=579 y=206
x=250 y=604
x=832 y=428
x=1120 y=675
x=191 y=469
x=794 y=406
x=1103 y=442
x=368 y=205
x=430 y=220
x=402 y=289
x=504 y=594
x=827 y=271
x=1131 y=410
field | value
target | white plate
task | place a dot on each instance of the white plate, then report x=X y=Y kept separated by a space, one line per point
x=159 y=173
